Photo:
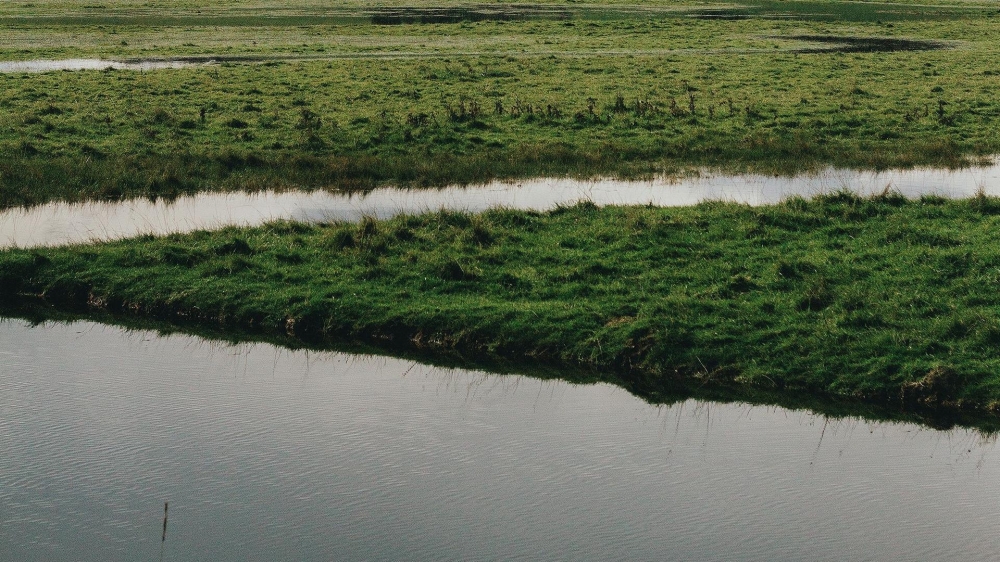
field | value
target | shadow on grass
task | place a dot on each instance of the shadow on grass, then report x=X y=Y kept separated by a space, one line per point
x=654 y=389
x=813 y=10
x=847 y=44
x=497 y=12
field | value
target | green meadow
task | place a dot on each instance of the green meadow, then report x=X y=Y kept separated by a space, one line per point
x=343 y=96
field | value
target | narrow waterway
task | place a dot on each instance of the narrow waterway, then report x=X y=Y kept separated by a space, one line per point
x=270 y=454
x=42 y=65
x=62 y=223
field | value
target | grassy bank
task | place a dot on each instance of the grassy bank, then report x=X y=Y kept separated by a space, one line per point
x=877 y=299
x=334 y=96
x=654 y=390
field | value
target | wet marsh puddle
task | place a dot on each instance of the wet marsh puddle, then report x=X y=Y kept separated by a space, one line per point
x=141 y=65
x=65 y=223
x=35 y=66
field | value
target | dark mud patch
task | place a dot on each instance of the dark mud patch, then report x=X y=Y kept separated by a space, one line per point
x=847 y=44
x=496 y=12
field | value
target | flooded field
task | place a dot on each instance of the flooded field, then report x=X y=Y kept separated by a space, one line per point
x=266 y=453
x=62 y=223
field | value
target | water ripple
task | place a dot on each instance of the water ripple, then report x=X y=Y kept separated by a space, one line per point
x=270 y=454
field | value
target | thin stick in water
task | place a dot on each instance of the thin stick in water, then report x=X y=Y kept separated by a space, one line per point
x=166 y=505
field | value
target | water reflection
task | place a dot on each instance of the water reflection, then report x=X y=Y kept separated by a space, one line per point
x=62 y=223
x=266 y=453
x=42 y=65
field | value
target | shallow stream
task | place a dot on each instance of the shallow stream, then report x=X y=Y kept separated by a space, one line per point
x=270 y=454
x=62 y=223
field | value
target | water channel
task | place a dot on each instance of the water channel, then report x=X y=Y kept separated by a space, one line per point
x=270 y=454
x=62 y=223
x=42 y=65
x=266 y=453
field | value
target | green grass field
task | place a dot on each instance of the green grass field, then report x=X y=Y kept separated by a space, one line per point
x=323 y=96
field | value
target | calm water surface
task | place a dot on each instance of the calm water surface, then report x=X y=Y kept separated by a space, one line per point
x=42 y=65
x=270 y=454
x=61 y=223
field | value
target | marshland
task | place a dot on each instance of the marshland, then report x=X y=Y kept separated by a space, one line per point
x=294 y=371
x=314 y=97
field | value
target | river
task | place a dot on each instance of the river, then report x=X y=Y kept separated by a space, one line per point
x=266 y=453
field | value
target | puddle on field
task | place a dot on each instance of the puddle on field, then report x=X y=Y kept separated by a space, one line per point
x=34 y=66
x=187 y=61
x=64 y=223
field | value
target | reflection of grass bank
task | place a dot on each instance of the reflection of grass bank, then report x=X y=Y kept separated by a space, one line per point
x=31 y=180
x=878 y=299
x=784 y=87
x=655 y=390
